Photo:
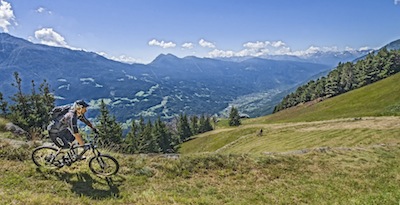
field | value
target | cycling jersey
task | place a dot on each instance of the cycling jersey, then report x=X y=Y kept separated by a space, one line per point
x=62 y=132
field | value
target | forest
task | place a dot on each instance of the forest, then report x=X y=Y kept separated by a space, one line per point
x=345 y=77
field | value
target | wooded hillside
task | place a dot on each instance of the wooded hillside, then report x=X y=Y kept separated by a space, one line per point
x=347 y=76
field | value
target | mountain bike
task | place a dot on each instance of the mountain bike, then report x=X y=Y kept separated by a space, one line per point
x=54 y=158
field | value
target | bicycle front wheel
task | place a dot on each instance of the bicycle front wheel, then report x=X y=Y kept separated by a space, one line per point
x=104 y=165
x=46 y=156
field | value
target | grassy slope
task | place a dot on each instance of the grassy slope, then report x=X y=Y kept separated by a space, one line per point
x=379 y=99
x=357 y=170
x=360 y=176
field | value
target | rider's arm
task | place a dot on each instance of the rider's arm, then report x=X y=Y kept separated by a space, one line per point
x=86 y=121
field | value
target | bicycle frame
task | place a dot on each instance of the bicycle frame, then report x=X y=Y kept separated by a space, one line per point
x=100 y=164
x=86 y=147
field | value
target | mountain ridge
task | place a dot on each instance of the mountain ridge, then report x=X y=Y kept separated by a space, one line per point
x=167 y=86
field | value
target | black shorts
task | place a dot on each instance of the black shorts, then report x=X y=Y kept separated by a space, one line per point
x=62 y=138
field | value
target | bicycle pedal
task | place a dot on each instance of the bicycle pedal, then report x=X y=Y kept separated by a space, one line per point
x=80 y=158
x=58 y=164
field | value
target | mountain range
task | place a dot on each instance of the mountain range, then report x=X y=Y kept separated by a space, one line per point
x=165 y=87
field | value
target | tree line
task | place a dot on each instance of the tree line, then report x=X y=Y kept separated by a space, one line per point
x=345 y=77
x=147 y=136
x=31 y=113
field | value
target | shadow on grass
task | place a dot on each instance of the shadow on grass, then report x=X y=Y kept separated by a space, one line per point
x=84 y=184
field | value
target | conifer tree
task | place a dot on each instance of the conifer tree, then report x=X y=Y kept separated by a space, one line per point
x=163 y=136
x=151 y=145
x=194 y=124
x=131 y=139
x=205 y=124
x=141 y=136
x=110 y=130
x=47 y=100
x=3 y=105
x=234 y=118
x=184 y=131
x=19 y=110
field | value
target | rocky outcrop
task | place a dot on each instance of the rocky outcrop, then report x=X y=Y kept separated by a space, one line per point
x=16 y=130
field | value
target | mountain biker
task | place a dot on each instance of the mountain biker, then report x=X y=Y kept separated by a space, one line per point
x=65 y=130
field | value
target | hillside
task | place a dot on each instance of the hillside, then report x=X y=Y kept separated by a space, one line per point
x=327 y=160
x=349 y=120
x=378 y=99
x=358 y=175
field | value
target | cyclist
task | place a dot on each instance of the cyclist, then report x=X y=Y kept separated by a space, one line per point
x=64 y=131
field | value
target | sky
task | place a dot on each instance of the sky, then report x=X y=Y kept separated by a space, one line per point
x=137 y=31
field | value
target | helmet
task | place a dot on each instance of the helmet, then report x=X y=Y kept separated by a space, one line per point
x=81 y=103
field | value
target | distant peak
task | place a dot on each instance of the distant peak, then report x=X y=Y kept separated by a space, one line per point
x=164 y=57
x=168 y=55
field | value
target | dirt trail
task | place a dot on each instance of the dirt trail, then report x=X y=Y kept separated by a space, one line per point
x=345 y=123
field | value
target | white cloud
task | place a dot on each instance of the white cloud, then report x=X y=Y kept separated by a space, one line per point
x=267 y=48
x=221 y=53
x=396 y=2
x=125 y=59
x=315 y=49
x=40 y=10
x=283 y=50
x=365 y=48
x=255 y=49
x=6 y=16
x=43 y=10
x=121 y=58
x=278 y=44
x=49 y=37
x=206 y=44
x=350 y=49
x=187 y=45
x=256 y=45
x=162 y=44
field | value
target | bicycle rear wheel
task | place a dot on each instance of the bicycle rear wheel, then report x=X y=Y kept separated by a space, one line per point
x=104 y=165
x=46 y=156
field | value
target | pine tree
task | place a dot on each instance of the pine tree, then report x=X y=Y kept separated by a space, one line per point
x=3 y=105
x=234 y=118
x=163 y=136
x=332 y=84
x=131 y=139
x=47 y=101
x=110 y=130
x=194 y=124
x=141 y=136
x=151 y=145
x=202 y=122
x=19 y=110
x=184 y=131
x=205 y=124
